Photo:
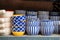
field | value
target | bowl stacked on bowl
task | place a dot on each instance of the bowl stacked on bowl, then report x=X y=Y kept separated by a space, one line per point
x=18 y=23
x=5 y=22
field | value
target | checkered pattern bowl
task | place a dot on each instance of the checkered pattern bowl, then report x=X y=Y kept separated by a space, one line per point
x=18 y=29
x=18 y=25
x=18 y=20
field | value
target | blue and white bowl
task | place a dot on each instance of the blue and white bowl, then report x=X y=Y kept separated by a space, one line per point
x=56 y=26
x=47 y=27
x=18 y=29
x=18 y=25
x=18 y=20
x=33 y=27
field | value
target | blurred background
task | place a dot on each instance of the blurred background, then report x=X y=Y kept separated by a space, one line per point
x=47 y=5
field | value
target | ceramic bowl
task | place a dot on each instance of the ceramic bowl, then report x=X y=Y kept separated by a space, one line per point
x=18 y=25
x=33 y=27
x=5 y=31
x=47 y=27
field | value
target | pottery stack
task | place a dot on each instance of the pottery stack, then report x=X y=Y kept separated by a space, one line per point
x=5 y=22
x=33 y=22
x=18 y=23
x=47 y=27
x=55 y=17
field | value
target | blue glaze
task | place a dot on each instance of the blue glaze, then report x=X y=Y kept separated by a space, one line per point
x=18 y=20
x=18 y=29
x=33 y=26
x=47 y=27
x=33 y=30
x=18 y=23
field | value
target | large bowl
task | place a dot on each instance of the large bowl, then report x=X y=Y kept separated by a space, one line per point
x=33 y=27
x=47 y=27
x=18 y=25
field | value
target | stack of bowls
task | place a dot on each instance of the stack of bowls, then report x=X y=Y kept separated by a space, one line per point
x=43 y=15
x=18 y=23
x=54 y=16
x=5 y=22
x=47 y=27
x=33 y=25
x=31 y=14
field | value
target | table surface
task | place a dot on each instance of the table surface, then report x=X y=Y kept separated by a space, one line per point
x=53 y=35
x=31 y=37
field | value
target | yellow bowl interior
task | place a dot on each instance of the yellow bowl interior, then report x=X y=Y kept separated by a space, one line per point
x=18 y=15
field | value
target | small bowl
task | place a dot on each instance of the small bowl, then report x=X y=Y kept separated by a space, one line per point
x=8 y=14
x=4 y=20
x=5 y=25
x=5 y=31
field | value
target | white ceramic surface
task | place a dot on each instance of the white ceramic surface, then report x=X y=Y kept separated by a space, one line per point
x=5 y=31
x=8 y=14
x=5 y=25
x=2 y=12
x=4 y=20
